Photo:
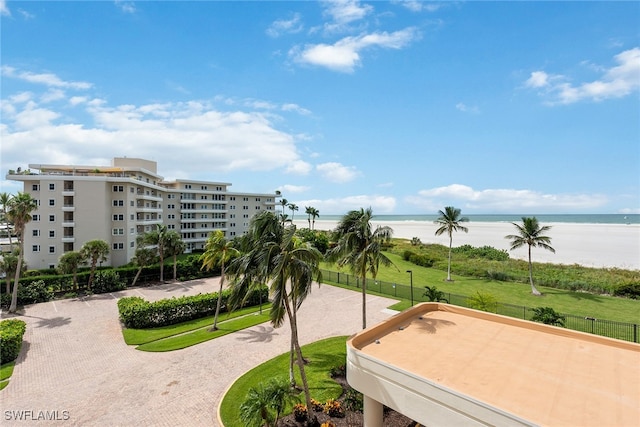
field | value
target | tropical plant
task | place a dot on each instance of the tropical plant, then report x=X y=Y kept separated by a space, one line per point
x=530 y=233
x=69 y=263
x=8 y=265
x=449 y=221
x=174 y=246
x=265 y=402
x=143 y=258
x=19 y=213
x=283 y=202
x=415 y=241
x=548 y=316
x=275 y=256
x=5 y=201
x=359 y=247
x=94 y=251
x=434 y=294
x=315 y=213
x=157 y=238
x=293 y=207
x=483 y=301
x=308 y=210
x=218 y=251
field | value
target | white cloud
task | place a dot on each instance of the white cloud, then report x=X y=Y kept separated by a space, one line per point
x=46 y=79
x=225 y=141
x=615 y=82
x=336 y=172
x=4 y=10
x=289 y=26
x=296 y=108
x=292 y=189
x=26 y=15
x=419 y=6
x=503 y=200
x=126 y=6
x=344 y=12
x=466 y=108
x=344 y=55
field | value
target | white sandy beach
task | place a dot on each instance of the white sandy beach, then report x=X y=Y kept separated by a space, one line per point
x=591 y=245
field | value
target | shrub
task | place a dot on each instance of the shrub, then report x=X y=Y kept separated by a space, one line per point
x=316 y=405
x=29 y=293
x=353 y=400
x=107 y=281
x=498 y=275
x=11 y=332
x=338 y=371
x=629 y=290
x=137 y=313
x=483 y=301
x=418 y=259
x=334 y=408
x=548 y=316
x=300 y=412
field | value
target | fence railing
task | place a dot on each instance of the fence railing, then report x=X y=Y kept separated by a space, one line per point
x=592 y=325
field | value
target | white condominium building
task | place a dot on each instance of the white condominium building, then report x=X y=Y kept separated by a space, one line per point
x=117 y=203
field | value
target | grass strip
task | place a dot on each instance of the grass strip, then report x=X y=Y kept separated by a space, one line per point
x=6 y=370
x=198 y=336
x=3 y=384
x=143 y=336
x=322 y=356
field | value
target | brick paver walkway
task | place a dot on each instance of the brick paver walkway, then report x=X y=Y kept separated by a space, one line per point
x=75 y=366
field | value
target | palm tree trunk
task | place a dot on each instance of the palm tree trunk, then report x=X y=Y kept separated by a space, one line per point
x=449 y=266
x=219 y=303
x=160 y=254
x=292 y=377
x=294 y=335
x=14 y=295
x=175 y=267
x=75 y=280
x=534 y=291
x=135 y=279
x=364 y=296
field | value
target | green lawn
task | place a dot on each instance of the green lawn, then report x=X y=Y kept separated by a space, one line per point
x=6 y=371
x=322 y=355
x=568 y=302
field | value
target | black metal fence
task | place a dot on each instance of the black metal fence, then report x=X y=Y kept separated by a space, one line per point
x=592 y=325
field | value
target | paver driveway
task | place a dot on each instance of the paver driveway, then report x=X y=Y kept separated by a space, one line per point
x=75 y=365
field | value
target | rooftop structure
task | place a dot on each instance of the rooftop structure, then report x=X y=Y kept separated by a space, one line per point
x=117 y=203
x=443 y=365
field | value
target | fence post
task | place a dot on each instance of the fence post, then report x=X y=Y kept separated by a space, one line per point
x=524 y=312
x=635 y=332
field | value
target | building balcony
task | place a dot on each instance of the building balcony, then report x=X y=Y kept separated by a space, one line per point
x=68 y=239
x=68 y=224
x=68 y=192
x=68 y=208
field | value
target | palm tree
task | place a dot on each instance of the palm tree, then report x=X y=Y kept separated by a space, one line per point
x=143 y=257
x=174 y=246
x=315 y=213
x=264 y=398
x=5 y=200
x=449 y=221
x=530 y=233
x=69 y=263
x=218 y=250
x=360 y=248
x=8 y=265
x=434 y=294
x=283 y=202
x=307 y=210
x=94 y=251
x=19 y=213
x=293 y=208
x=276 y=257
x=157 y=238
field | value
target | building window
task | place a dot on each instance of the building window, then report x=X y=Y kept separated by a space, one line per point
x=52 y=233
x=187 y=186
x=52 y=249
x=118 y=203
x=131 y=245
x=132 y=217
x=118 y=231
x=35 y=187
x=52 y=202
x=132 y=231
x=35 y=218
x=52 y=186
x=118 y=217
x=257 y=199
x=130 y=203
x=118 y=188
x=118 y=246
x=35 y=248
x=52 y=218
x=245 y=208
x=257 y=208
x=203 y=187
x=36 y=233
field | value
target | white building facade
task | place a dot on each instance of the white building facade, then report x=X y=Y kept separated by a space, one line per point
x=118 y=203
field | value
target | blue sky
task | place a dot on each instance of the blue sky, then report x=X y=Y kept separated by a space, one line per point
x=404 y=106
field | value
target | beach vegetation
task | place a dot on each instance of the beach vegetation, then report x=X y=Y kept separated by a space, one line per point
x=359 y=247
x=530 y=233
x=448 y=222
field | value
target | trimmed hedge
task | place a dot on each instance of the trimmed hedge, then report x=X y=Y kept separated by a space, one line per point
x=11 y=332
x=137 y=313
x=29 y=293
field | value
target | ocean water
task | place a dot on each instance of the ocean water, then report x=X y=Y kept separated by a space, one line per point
x=542 y=218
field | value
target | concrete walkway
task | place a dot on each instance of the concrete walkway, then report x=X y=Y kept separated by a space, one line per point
x=75 y=369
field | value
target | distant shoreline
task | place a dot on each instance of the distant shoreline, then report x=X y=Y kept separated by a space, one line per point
x=597 y=245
